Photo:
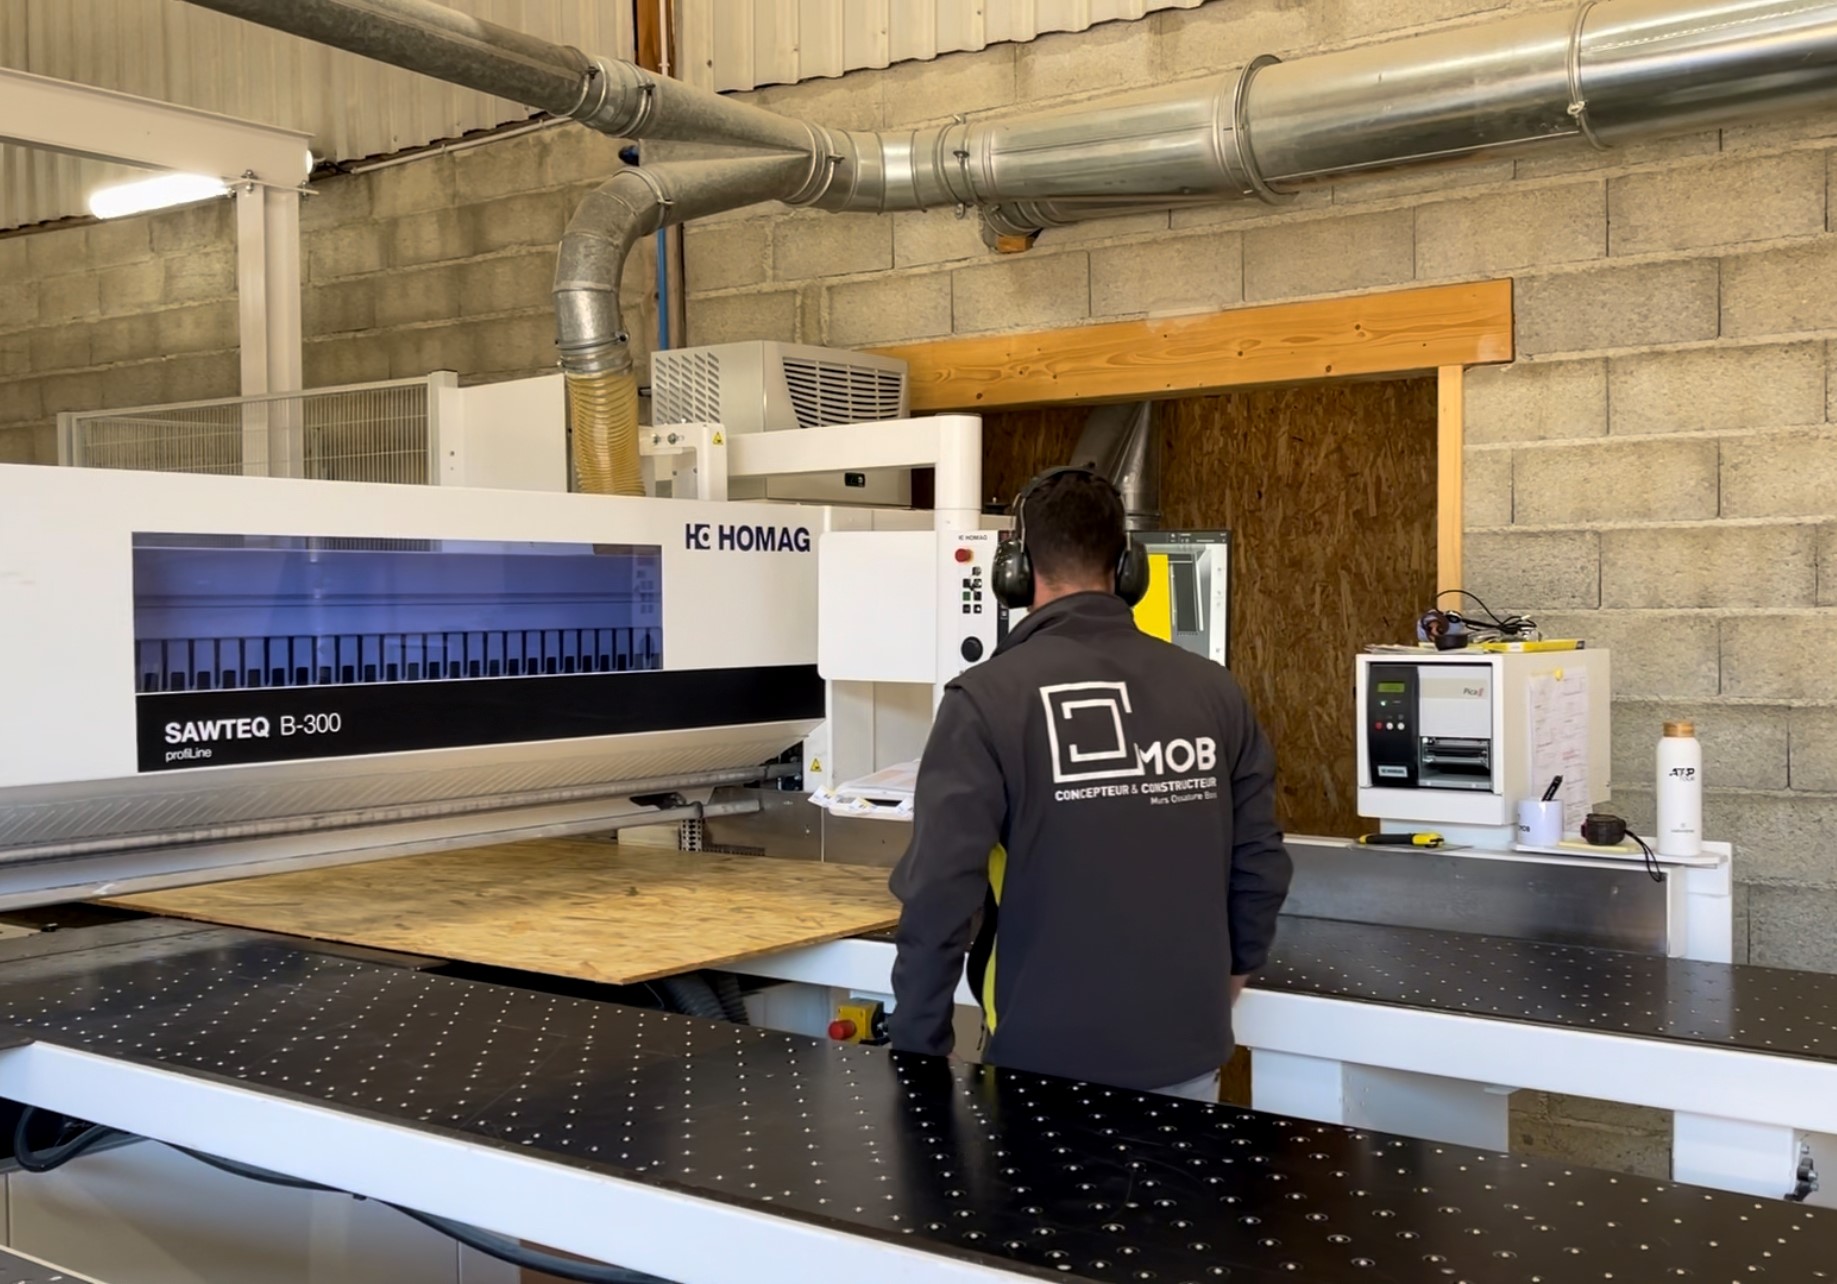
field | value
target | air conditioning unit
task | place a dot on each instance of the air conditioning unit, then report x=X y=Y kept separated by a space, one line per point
x=776 y=387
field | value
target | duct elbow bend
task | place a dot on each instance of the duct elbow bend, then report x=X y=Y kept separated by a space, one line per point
x=595 y=348
x=589 y=264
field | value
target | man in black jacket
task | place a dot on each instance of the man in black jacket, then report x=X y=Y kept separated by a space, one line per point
x=1107 y=801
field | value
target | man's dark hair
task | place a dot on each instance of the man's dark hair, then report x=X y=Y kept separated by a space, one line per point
x=1075 y=528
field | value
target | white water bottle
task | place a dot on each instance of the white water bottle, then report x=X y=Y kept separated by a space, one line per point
x=1680 y=791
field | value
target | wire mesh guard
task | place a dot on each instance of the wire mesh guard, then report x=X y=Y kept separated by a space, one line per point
x=364 y=433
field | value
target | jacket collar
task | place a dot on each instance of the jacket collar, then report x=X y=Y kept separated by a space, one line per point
x=1076 y=613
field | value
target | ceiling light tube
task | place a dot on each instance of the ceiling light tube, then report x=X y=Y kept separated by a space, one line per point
x=156 y=193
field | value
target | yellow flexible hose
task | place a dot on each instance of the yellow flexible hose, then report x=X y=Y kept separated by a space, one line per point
x=604 y=408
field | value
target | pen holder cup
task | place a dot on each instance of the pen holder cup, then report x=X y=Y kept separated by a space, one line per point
x=1540 y=824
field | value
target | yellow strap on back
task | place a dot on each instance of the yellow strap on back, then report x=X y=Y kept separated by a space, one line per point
x=998 y=869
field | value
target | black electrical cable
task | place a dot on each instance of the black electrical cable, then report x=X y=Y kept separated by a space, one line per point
x=63 y=1151
x=1651 y=857
x=498 y=1246
x=1509 y=626
x=501 y=1247
x=517 y=1254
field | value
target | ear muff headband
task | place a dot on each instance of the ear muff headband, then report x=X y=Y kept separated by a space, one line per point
x=1011 y=577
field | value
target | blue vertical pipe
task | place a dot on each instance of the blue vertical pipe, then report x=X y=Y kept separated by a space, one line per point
x=663 y=289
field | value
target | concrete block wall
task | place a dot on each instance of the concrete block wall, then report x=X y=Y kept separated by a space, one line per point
x=444 y=261
x=123 y=313
x=1656 y=472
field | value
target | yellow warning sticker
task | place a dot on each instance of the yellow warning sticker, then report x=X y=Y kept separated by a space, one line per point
x=719 y=440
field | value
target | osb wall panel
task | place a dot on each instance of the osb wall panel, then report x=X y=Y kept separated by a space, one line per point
x=1328 y=490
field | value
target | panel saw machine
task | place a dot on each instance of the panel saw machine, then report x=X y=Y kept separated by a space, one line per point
x=230 y=676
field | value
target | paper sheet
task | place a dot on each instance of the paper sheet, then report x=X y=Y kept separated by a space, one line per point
x=1559 y=740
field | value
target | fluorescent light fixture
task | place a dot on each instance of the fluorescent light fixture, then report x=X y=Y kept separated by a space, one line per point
x=154 y=193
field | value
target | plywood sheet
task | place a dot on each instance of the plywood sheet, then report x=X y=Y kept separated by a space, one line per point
x=1400 y=332
x=1329 y=492
x=563 y=907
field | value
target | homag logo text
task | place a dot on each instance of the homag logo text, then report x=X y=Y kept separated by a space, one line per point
x=735 y=537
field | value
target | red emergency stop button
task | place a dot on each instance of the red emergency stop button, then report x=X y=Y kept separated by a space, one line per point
x=842 y=1030
x=964 y=555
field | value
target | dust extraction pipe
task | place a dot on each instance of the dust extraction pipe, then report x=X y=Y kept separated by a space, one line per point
x=1595 y=75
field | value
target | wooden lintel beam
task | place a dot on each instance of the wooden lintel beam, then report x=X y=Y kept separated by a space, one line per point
x=1401 y=332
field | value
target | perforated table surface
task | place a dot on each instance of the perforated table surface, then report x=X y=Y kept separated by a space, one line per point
x=1755 y=1009
x=15 y=1269
x=1047 y=1178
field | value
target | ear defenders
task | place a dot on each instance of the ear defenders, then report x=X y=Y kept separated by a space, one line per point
x=1011 y=577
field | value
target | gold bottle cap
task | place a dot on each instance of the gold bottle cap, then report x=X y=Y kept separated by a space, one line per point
x=1680 y=729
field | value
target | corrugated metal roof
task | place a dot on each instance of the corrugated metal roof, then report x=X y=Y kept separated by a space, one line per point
x=743 y=44
x=180 y=53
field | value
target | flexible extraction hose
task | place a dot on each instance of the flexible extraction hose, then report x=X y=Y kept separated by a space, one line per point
x=691 y=995
x=603 y=411
x=727 y=990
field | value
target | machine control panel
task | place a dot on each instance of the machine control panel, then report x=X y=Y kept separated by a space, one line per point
x=972 y=618
x=972 y=582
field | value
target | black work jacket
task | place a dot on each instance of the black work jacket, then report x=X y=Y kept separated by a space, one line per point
x=1107 y=801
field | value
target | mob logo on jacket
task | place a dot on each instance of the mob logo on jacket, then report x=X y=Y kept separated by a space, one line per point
x=1087 y=726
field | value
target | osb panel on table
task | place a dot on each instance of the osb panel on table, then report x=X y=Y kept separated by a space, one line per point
x=1329 y=492
x=1399 y=332
x=563 y=907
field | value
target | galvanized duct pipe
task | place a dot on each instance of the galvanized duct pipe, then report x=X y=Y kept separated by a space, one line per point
x=1593 y=75
x=595 y=349
x=1119 y=442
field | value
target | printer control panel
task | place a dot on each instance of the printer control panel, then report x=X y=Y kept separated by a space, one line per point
x=1390 y=725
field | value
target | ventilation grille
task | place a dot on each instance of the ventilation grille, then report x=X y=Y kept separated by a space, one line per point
x=686 y=388
x=829 y=392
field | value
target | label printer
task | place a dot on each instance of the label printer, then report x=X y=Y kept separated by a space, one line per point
x=1457 y=739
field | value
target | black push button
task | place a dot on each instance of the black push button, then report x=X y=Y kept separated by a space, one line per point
x=972 y=649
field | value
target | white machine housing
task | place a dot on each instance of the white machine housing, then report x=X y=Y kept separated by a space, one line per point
x=881 y=692
x=73 y=761
x=113 y=746
x=764 y=386
x=1445 y=738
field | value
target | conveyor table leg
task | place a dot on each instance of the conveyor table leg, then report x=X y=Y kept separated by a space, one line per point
x=1454 y=1111
x=1732 y=1154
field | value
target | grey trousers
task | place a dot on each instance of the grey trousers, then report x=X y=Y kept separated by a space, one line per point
x=1204 y=1088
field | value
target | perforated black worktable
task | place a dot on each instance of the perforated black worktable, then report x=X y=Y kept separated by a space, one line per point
x=15 y=1269
x=1046 y=1178
x=1757 y=1009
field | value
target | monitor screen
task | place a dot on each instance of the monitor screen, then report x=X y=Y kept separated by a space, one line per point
x=1187 y=603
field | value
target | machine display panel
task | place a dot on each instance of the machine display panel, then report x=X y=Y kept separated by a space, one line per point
x=1188 y=590
x=245 y=612
x=261 y=648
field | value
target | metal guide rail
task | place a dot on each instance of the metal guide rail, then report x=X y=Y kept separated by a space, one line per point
x=1753 y=1009
x=975 y=1169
